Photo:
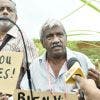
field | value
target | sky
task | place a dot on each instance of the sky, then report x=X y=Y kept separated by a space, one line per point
x=33 y=13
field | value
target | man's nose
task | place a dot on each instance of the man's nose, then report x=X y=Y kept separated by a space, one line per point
x=56 y=39
x=5 y=12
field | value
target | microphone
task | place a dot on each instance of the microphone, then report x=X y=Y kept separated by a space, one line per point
x=71 y=61
x=27 y=64
x=74 y=68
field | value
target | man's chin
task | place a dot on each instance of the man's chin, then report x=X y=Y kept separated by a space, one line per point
x=5 y=24
x=5 y=21
x=58 y=53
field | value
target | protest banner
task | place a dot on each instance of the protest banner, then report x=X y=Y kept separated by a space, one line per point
x=47 y=95
x=10 y=63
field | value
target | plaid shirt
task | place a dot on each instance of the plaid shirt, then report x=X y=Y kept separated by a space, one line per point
x=16 y=44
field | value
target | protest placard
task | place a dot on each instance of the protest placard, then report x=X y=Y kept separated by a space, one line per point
x=10 y=63
x=47 y=95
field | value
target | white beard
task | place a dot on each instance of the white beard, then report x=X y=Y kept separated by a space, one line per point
x=5 y=24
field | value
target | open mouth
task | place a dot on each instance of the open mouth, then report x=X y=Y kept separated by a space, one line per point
x=56 y=46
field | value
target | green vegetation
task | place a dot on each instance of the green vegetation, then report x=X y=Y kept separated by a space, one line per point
x=91 y=49
x=39 y=46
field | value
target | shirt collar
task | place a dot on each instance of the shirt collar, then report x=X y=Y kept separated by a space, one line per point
x=13 y=32
x=42 y=58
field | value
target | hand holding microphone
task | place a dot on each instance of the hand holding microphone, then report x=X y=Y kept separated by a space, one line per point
x=88 y=86
x=74 y=68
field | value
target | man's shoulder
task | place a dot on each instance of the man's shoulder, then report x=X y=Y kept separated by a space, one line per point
x=37 y=63
x=79 y=54
x=72 y=53
x=39 y=59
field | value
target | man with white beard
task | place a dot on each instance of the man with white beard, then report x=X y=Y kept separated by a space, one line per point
x=10 y=37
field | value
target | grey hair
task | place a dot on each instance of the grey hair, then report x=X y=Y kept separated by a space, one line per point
x=49 y=24
x=13 y=2
x=14 y=5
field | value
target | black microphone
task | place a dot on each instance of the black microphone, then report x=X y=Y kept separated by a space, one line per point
x=74 y=67
x=70 y=63
x=27 y=64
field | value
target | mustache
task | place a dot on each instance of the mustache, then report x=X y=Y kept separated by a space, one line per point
x=56 y=45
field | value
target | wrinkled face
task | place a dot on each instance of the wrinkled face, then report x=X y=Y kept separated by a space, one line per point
x=55 y=41
x=7 y=10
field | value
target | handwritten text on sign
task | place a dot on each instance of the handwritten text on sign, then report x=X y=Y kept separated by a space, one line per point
x=6 y=72
x=10 y=63
x=25 y=95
